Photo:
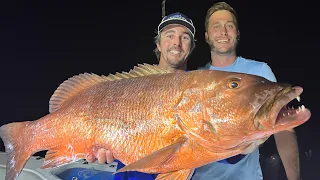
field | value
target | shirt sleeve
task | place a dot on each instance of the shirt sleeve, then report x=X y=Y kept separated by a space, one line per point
x=267 y=73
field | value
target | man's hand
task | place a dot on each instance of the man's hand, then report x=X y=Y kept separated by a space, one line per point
x=254 y=145
x=103 y=156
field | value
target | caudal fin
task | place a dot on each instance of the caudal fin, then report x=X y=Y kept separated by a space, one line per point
x=15 y=142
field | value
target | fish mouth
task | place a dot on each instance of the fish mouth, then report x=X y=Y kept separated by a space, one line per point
x=276 y=114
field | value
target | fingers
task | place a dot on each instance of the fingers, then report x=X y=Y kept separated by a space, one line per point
x=91 y=158
x=102 y=156
x=109 y=156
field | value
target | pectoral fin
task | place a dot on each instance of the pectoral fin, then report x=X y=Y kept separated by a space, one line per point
x=176 y=175
x=157 y=158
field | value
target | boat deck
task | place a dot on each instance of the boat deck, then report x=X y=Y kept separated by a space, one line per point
x=73 y=171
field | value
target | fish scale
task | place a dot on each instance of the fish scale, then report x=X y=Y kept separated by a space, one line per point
x=154 y=121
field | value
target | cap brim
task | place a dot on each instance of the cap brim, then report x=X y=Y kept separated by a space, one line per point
x=177 y=21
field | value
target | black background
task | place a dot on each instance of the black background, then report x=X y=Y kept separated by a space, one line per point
x=43 y=43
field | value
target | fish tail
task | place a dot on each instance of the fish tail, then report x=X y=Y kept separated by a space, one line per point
x=12 y=137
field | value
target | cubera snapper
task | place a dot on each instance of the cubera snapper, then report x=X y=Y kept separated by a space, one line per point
x=155 y=121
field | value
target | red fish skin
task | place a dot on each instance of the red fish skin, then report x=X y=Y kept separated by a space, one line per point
x=136 y=117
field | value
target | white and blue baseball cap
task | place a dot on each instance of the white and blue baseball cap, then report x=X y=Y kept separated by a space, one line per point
x=177 y=18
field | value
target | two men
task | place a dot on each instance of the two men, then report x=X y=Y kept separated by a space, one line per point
x=175 y=42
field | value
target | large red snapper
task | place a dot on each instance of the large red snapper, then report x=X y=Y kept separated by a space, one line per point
x=155 y=121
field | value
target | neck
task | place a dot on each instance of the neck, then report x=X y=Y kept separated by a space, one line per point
x=222 y=60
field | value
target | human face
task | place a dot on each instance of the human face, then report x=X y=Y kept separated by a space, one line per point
x=174 y=46
x=222 y=33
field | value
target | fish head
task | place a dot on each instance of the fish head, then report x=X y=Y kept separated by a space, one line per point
x=241 y=108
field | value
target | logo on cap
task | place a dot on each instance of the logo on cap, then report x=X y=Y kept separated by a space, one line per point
x=177 y=18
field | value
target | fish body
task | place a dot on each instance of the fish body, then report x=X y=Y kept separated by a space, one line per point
x=154 y=121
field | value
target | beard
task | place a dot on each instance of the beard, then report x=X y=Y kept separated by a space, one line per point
x=176 y=61
x=229 y=51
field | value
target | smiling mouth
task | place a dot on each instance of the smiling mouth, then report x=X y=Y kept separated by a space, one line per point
x=175 y=52
x=223 y=41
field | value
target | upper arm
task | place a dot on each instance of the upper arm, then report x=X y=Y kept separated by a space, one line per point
x=267 y=73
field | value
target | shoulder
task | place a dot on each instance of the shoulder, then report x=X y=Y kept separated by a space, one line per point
x=258 y=68
x=207 y=66
x=251 y=62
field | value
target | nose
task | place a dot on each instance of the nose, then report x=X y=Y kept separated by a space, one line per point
x=224 y=31
x=177 y=41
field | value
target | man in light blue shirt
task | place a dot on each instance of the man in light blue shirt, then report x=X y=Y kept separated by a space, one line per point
x=240 y=166
x=248 y=66
x=222 y=35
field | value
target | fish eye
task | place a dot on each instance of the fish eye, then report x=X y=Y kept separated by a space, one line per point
x=233 y=84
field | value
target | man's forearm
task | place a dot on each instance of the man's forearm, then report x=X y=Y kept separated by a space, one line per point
x=287 y=146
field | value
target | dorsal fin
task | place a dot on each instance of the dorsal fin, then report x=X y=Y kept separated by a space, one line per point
x=78 y=83
x=139 y=71
x=71 y=87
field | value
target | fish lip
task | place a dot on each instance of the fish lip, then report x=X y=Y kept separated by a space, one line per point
x=281 y=99
x=276 y=104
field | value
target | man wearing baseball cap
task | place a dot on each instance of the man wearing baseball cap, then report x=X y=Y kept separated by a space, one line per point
x=175 y=42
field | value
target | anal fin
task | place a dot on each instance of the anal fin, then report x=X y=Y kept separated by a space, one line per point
x=59 y=157
x=184 y=174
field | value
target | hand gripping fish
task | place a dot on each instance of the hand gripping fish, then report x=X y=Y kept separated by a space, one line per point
x=155 y=121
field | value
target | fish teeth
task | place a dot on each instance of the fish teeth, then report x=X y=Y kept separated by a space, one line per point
x=298 y=98
x=301 y=108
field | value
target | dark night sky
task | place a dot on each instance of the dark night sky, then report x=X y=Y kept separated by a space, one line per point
x=43 y=43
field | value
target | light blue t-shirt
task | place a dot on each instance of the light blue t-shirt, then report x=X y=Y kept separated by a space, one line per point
x=247 y=168
x=247 y=66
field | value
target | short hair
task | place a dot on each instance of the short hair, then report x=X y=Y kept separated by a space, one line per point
x=217 y=7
